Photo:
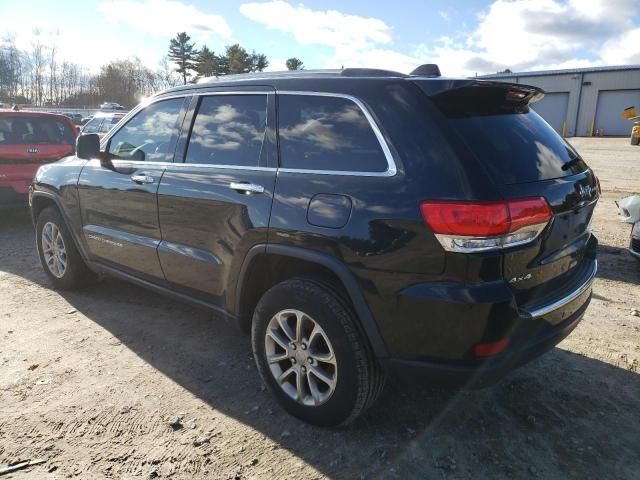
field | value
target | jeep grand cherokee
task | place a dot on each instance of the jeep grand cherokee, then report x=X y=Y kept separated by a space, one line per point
x=357 y=222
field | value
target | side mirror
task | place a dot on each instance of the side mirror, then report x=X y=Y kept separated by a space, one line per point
x=88 y=146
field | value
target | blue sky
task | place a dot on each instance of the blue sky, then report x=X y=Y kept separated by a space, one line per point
x=463 y=36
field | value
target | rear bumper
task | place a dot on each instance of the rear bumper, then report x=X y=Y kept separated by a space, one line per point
x=493 y=370
x=450 y=359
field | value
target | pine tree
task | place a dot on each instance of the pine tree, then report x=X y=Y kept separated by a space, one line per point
x=183 y=54
x=207 y=63
x=294 y=64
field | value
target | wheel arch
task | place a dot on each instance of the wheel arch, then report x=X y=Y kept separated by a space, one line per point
x=43 y=199
x=300 y=261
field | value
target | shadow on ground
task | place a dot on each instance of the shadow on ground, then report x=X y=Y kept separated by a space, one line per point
x=615 y=263
x=539 y=422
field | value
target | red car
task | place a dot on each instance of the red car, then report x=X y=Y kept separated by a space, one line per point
x=28 y=140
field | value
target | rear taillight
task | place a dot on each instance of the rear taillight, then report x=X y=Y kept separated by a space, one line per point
x=480 y=226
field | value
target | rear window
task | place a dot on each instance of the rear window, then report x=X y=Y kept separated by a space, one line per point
x=513 y=142
x=19 y=130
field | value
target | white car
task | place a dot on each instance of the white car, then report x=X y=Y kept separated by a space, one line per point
x=101 y=123
x=111 y=106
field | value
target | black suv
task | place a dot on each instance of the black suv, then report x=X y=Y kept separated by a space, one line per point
x=356 y=222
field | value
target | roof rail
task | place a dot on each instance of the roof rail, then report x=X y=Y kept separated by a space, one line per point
x=426 y=70
x=370 y=72
x=267 y=75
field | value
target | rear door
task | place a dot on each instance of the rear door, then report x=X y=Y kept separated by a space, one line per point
x=214 y=202
x=119 y=207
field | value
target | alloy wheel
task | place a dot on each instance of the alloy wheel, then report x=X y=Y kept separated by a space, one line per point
x=300 y=357
x=53 y=250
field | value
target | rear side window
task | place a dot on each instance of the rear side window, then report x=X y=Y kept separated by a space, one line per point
x=511 y=140
x=150 y=135
x=228 y=130
x=23 y=130
x=327 y=133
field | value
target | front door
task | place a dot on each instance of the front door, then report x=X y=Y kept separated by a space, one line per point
x=119 y=207
x=215 y=205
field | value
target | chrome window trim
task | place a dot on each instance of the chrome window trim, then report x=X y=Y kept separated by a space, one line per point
x=391 y=164
x=545 y=310
x=142 y=164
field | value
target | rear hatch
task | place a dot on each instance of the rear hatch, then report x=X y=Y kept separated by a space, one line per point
x=527 y=159
x=28 y=141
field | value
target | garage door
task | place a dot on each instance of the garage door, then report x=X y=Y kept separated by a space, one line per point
x=611 y=103
x=553 y=108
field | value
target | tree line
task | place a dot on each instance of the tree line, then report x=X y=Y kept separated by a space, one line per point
x=39 y=76
x=193 y=64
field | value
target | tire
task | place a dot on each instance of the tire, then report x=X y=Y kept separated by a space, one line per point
x=635 y=140
x=356 y=376
x=75 y=273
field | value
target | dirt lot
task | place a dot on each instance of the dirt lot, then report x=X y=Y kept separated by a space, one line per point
x=116 y=365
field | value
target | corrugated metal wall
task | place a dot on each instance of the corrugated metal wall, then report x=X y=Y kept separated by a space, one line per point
x=553 y=108
x=582 y=107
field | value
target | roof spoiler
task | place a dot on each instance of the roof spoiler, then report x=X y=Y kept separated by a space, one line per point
x=481 y=97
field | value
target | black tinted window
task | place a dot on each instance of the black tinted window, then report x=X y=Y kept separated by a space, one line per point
x=150 y=135
x=327 y=133
x=228 y=130
x=519 y=147
x=34 y=130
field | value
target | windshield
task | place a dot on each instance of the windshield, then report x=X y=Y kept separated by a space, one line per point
x=17 y=130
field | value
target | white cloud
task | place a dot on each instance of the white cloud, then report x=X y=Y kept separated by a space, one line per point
x=328 y=27
x=66 y=43
x=541 y=34
x=444 y=15
x=624 y=49
x=357 y=41
x=164 y=17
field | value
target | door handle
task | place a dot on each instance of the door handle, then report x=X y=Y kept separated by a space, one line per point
x=142 y=179
x=246 y=187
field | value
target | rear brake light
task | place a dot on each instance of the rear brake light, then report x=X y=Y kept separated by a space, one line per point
x=481 y=226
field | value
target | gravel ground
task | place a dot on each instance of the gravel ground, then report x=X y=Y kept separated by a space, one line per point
x=117 y=382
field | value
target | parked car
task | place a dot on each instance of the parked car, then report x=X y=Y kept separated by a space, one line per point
x=629 y=212
x=76 y=118
x=358 y=223
x=111 y=106
x=28 y=140
x=101 y=123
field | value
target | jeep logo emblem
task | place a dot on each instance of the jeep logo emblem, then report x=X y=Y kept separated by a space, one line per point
x=585 y=192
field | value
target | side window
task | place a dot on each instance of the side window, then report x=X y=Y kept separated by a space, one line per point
x=150 y=135
x=228 y=130
x=327 y=133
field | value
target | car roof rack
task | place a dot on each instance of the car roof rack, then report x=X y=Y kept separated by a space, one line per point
x=344 y=72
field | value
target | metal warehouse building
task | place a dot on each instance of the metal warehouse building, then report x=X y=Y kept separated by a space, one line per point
x=584 y=101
